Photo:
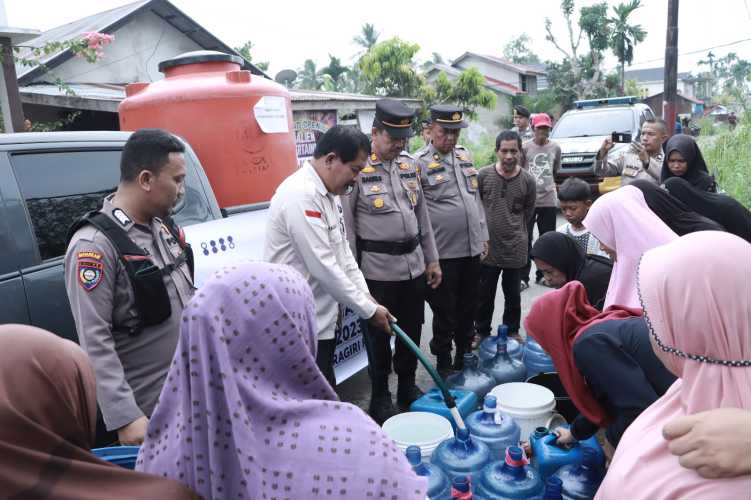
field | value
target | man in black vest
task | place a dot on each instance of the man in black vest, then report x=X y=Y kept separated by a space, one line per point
x=128 y=279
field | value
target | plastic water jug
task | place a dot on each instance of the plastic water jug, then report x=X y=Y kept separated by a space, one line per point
x=548 y=457
x=487 y=348
x=509 y=478
x=124 y=456
x=494 y=429
x=471 y=378
x=461 y=456
x=439 y=486
x=502 y=367
x=536 y=359
x=580 y=481
x=460 y=488
x=432 y=402
x=553 y=490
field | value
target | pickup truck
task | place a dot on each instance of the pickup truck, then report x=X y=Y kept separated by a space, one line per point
x=48 y=180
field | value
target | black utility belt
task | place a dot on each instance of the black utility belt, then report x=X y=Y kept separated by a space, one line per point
x=388 y=247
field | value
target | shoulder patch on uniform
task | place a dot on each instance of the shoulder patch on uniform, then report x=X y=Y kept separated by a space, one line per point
x=89 y=255
x=90 y=272
x=121 y=217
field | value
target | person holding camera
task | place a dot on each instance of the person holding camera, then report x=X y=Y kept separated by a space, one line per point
x=640 y=160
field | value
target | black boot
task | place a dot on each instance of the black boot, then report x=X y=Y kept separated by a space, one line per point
x=443 y=364
x=381 y=405
x=459 y=359
x=407 y=392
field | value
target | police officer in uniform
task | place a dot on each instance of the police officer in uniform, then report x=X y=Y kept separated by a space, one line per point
x=128 y=276
x=449 y=181
x=390 y=233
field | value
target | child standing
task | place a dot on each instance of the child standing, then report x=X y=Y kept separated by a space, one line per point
x=575 y=198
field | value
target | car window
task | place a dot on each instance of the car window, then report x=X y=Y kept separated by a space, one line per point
x=596 y=123
x=61 y=186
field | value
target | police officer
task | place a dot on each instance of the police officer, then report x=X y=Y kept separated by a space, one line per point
x=449 y=181
x=128 y=277
x=389 y=230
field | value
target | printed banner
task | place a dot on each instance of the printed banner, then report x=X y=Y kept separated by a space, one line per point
x=309 y=127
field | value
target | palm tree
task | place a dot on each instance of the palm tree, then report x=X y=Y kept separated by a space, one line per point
x=336 y=74
x=625 y=36
x=367 y=38
x=309 y=77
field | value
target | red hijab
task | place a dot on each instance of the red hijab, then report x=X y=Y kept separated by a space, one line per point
x=555 y=321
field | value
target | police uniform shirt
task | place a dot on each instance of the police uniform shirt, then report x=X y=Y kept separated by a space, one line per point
x=130 y=369
x=387 y=205
x=453 y=199
x=306 y=231
x=629 y=166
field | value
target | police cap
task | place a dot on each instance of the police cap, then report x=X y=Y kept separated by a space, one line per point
x=447 y=116
x=395 y=117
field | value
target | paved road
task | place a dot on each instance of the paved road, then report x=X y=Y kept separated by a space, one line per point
x=356 y=389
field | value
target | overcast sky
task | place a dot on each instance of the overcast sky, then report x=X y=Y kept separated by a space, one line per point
x=288 y=32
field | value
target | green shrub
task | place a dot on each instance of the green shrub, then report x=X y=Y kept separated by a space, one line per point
x=483 y=150
x=728 y=155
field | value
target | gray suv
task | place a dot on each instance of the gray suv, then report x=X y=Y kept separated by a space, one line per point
x=581 y=131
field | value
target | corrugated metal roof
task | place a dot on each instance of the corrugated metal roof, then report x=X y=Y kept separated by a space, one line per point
x=649 y=75
x=108 y=22
x=497 y=85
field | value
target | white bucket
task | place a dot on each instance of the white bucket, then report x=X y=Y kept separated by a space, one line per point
x=418 y=428
x=529 y=405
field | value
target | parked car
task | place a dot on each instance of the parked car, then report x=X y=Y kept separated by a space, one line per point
x=581 y=131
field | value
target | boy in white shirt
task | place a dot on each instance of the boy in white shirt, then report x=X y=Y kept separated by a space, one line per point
x=575 y=198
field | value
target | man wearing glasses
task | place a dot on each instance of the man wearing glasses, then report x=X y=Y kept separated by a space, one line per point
x=508 y=195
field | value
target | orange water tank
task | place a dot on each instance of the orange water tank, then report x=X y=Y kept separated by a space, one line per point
x=239 y=124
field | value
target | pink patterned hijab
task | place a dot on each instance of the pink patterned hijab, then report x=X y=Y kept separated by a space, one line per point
x=622 y=220
x=696 y=301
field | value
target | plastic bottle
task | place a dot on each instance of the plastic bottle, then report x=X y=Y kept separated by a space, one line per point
x=496 y=430
x=461 y=455
x=509 y=478
x=487 y=348
x=502 y=367
x=536 y=359
x=432 y=402
x=553 y=490
x=439 y=487
x=580 y=481
x=549 y=456
x=460 y=488
x=471 y=378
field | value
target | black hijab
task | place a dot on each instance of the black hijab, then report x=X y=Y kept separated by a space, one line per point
x=563 y=253
x=721 y=208
x=673 y=212
x=697 y=173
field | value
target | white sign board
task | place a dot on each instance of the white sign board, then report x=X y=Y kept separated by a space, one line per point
x=271 y=114
x=240 y=238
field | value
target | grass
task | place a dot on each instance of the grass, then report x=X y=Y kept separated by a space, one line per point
x=483 y=150
x=728 y=155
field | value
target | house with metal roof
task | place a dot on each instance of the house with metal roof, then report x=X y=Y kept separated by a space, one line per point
x=651 y=81
x=146 y=33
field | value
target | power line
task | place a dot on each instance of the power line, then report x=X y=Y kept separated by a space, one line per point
x=690 y=53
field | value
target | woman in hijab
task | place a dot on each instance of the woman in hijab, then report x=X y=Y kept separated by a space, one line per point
x=700 y=328
x=561 y=260
x=721 y=208
x=591 y=350
x=246 y=413
x=673 y=212
x=625 y=228
x=47 y=425
x=683 y=159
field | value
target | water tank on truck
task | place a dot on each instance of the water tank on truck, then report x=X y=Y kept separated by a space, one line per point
x=239 y=124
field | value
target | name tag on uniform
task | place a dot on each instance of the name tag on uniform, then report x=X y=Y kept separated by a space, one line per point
x=436 y=170
x=408 y=175
x=372 y=178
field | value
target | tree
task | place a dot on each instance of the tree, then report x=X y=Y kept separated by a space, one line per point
x=367 y=38
x=244 y=50
x=625 y=36
x=309 y=77
x=468 y=92
x=585 y=78
x=517 y=51
x=335 y=75
x=388 y=69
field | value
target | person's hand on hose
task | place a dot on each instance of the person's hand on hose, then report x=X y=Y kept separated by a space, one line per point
x=134 y=433
x=434 y=275
x=381 y=319
x=714 y=443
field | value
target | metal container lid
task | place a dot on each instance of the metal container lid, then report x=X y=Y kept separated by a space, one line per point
x=199 y=56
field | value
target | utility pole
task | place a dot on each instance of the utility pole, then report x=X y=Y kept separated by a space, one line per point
x=670 y=92
x=10 y=98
